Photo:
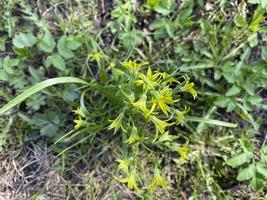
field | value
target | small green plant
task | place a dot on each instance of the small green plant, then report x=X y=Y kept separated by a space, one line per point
x=254 y=164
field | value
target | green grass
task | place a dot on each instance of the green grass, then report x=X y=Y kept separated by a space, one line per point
x=117 y=131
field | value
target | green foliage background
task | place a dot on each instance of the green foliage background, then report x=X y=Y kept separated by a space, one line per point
x=218 y=145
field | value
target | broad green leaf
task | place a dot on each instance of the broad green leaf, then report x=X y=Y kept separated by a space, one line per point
x=234 y=90
x=263 y=3
x=253 y=40
x=58 y=62
x=9 y=63
x=47 y=43
x=37 y=88
x=3 y=75
x=239 y=159
x=49 y=130
x=231 y=106
x=246 y=173
x=262 y=169
x=255 y=100
x=246 y=145
x=62 y=48
x=36 y=101
x=249 y=86
x=222 y=101
x=240 y=20
x=24 y=40
x=73 y=43
x=165 y=7
x=256 y=182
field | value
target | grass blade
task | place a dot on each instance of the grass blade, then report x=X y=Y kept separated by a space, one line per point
x=37 y=88
x=212 y=121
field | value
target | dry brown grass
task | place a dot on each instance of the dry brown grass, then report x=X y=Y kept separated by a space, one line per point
x=23 y=172
x=32 y=172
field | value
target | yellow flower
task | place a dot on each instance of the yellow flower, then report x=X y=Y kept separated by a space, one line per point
x=124 y=165
x=150 y=80
x=166 y=137
x=134 y=136
x=168 y=79
x=97 y=55
x=117 y=123
x=153 y=3
x=130 y=180
x=133 y=65
x=79 y=112
x=163 y=98
x=180 y=115
x=189 y=86
x=159 y=124
x=183 y=151
x=112 y=65
x=157 y=180
x=79 y=123
x=141 y=105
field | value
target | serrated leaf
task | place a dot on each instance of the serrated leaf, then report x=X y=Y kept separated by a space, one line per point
x=231 y=106
x=239 y=159
x=246 y=173
x=47 y=43
x=234 y=90
x=24 y=40
x=222 y=101
x=49 y=130
x=9 y=63
x=36 y=101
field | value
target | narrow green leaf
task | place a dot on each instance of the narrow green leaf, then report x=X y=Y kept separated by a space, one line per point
x=211 y=121
x=38 y=87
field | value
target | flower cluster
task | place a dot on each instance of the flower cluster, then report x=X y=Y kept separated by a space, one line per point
x=148 y=105
x=151 y=105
